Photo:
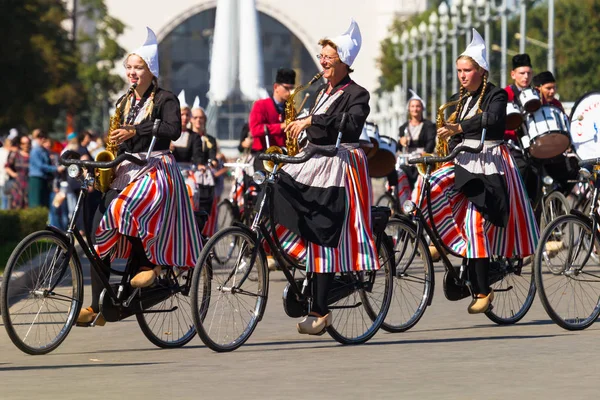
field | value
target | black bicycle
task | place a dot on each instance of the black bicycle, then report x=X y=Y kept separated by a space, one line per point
x=567 y=262
x=42 y=288
x=414 y=282
x=230 y=283
x=228 y=209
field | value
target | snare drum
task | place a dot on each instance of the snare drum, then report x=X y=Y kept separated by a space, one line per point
x=514 y=117
x=384 y=160
x=548 y=131
x=530 y=100
x=369 y=139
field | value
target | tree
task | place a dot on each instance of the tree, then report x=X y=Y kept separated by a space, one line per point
x=577 y=44
x=45 y=74
x=100 y=51
x=38 y=66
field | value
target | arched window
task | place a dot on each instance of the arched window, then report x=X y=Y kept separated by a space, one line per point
x=184 y=56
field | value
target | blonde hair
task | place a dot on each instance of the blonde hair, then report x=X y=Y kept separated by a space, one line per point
x=327 y=42
x=463 y=91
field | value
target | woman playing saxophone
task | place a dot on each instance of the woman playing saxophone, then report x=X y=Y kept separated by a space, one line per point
x=146 y=215
x=479 y=198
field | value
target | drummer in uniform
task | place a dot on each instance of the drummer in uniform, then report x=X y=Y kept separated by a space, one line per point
x=564 y=168
x=522 y=74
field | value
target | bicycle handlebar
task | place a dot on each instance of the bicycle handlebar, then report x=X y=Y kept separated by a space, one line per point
x=430 y=160
x=99 y=164
x=589 y=161
x=277 y=158
x=327 y=151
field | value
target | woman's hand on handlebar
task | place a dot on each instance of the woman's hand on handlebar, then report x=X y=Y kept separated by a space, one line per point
x=294 y=128
x=448 y=130
x=122 y=134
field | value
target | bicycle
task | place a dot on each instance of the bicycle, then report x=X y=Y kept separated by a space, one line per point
x=390 y=198
x=42 y=289
x=414 y=280
x=566 y=263
x=229 y=211
x=230 y=282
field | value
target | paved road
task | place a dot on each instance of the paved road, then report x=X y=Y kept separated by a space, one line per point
x=448 y=355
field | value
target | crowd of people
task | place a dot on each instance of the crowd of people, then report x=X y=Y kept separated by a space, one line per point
x=481 y=199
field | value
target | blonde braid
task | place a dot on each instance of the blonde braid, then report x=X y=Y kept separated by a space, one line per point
x=485 y=75
x=151 y=99
x=461 y=95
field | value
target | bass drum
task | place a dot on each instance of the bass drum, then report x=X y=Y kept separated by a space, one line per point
x=369 y=139
x=585 y=124
x=385 y=159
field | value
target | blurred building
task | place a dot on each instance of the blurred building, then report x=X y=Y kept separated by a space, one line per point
x=290 y=32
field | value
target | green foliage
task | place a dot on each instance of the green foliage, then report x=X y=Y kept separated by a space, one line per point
x=38 y=63
x=577 y=45
x=16 y=224
x=576 y=42
x=44 y=73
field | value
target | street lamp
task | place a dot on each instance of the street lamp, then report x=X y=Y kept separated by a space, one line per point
x=433 y=31
x=414 y=35
x=444 y=20
x=466 y=10
x=454 y=32
x=423 y=33
x=404 y=40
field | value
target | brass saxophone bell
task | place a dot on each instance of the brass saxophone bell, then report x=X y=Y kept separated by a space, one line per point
x=269 y=165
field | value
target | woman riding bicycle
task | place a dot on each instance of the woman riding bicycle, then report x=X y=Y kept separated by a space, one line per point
x=324 y=205
x=479 y=201
x=146 y=215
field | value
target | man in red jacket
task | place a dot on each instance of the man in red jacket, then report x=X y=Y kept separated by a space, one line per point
x=269 y=112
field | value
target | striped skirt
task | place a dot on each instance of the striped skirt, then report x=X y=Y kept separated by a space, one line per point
x=463 y=228
x=356 y=250
x=154 y=206
x=403 y=191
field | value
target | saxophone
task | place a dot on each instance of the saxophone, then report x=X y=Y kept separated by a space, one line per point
x=441 y=145
x=105 y=176
x=291 y=144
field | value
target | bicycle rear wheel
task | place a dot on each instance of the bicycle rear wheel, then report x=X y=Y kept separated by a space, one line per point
x=412 y=278
x=169 y=324
x=387 y=200
x=226 y=215
x=229 y=290
x=514 y=290
x=555 y=205
x=42 y=293
x=360 y=301
x=566 y=273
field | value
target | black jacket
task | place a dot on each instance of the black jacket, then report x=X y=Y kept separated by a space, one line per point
x=203 y=152
x=494 y=104
x=354 y=101
x=426 y=138
x=166 y=108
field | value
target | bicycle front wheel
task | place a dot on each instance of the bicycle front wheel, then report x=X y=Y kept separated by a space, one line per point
x=567 y=272
x=413 y=277
x=42 y=293
x=229 y=289
x=169 y=324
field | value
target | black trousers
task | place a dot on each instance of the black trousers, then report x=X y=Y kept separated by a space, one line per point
x=137 y=256
x=479 y=274
x=321 y=284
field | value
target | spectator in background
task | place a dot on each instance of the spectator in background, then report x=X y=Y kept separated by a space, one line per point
x=17 y=167
x=5 y=150
x=41 y=171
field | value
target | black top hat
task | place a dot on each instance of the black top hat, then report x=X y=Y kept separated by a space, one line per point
x=543 y=78
x=286 y=76
x=521 y=60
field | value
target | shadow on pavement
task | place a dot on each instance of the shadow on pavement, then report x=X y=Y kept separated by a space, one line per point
x=91 y=364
